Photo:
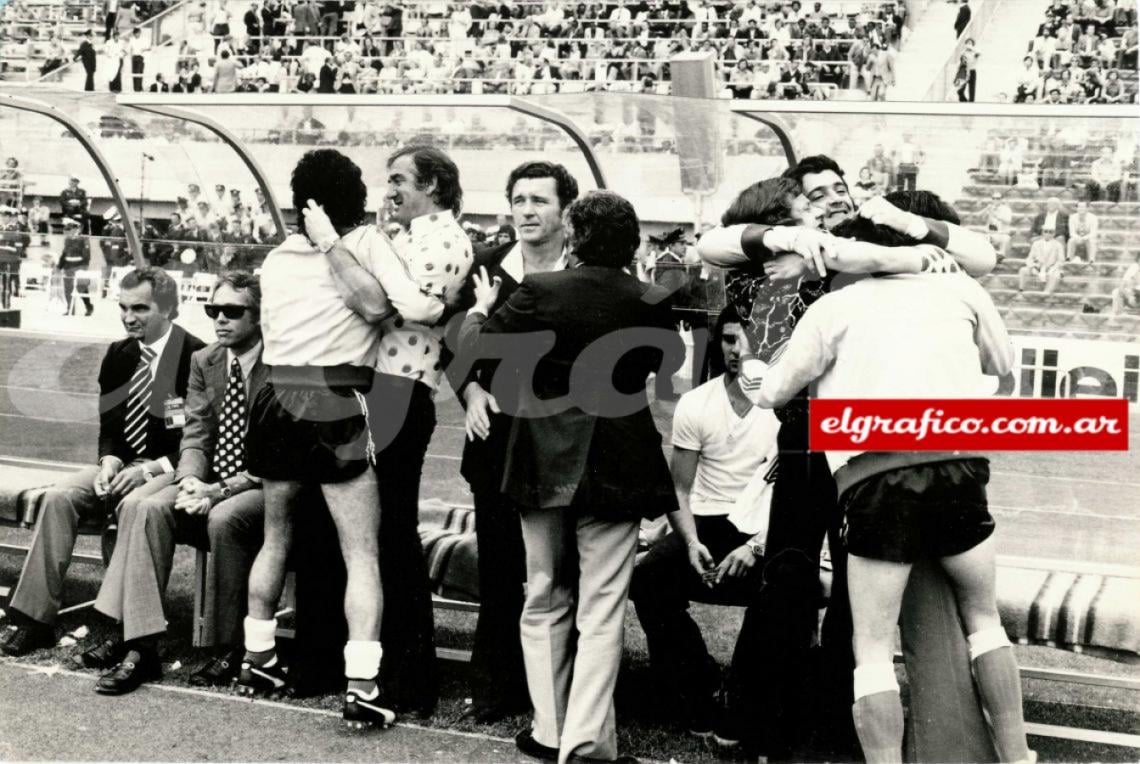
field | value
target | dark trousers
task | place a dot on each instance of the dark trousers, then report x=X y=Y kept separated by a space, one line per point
x=109 y=25
x=497 y=659
x=402 y=416
x=774 y=663
x=663 y=586
x=908 y=176
x=69 y=288
x=137 y=66
x=116 y=84
x=969 y=87
x=89 y=82
x=1110 y=191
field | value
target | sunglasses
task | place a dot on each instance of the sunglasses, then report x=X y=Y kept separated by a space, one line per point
x=232 y=312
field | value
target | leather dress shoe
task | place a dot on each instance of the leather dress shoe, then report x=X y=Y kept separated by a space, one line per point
x=220 y=670
x=526 y=743
x=495 y=711
x=135 y=669
x=102 y=656
x=28 y=637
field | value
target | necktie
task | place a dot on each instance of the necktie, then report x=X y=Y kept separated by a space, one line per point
x=138 y=400
x=229 y=453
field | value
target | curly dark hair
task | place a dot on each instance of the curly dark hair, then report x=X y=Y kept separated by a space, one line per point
x=812 y=165
x=164 y=289
x=768 y=202
x=433 y=164
x=565 y=183
x=606 y=229
x=333 y=181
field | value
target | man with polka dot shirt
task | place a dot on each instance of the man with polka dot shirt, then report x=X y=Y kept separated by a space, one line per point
x=425 y=197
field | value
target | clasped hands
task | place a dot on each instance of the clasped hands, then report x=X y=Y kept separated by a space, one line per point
x=735 y=564
x=196 y=497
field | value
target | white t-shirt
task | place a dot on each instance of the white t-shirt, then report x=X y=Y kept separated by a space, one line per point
x=732 y=448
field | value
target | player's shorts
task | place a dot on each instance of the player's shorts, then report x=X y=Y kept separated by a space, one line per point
x=912 y=513
x=310 y=425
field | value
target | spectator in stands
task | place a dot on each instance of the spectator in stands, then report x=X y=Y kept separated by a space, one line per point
x=110 y=14
x=908 y=158
x=135 y=446
x=126 y=19
x=722 y=446
x=1107 y=176
x=968 y=69
x=1127 y=291
x=1028 y=80
x=1083 y=230
x=882 y=68
x=226 y=74
x=1011 y=159
x=115 y=51
x=210 y=501
x=73 y=202
x=86 y=56
x=39 y=219
x=866 y=187
x=1052 y=218
x=137 y=48
x=998 y=216
x=580 y=551
x=1045 y=261
x=1113 y=90
x=962 y=20
x=1126 y=58
x=11 y=184
x=538 y=194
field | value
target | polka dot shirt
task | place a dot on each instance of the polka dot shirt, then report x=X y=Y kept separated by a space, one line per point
x=438 y=256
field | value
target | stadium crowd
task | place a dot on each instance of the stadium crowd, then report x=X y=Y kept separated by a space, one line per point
x=765 y=49
x=317 y=399
x=1081 y=51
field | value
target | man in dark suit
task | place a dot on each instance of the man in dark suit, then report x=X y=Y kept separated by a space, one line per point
x=963 y=19
x=86 y=55
x=584 y=463
x=538 y=192
x=209 y=502
x=76 y=256
x=142 y=386
x=1052 y=218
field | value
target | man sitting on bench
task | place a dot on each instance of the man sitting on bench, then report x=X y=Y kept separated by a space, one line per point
x=720 y=443
x=209 y=502
x=142 y=385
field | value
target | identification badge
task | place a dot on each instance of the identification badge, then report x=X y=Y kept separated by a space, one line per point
x=174 y=410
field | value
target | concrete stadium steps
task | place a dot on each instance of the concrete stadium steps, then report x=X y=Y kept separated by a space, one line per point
x=1074 y=280
x=1003 y=44
x=1122 y=251
x=1062 y=322
x=1121 y=216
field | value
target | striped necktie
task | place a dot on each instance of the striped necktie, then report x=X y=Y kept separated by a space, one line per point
x=138 y=401
x=229 y=453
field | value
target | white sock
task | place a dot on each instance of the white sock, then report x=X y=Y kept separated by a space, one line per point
x=875 y=677
x=982 y=642
x=260 y=635
x=362 y=659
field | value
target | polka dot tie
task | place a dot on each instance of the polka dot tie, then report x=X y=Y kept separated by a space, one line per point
x=229 y=453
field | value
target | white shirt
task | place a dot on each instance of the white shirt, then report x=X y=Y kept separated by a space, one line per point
x=901 y=336
x=437 y=255
x=158 y=346
x=732 y=448
x=304 y=320
x=515 y=267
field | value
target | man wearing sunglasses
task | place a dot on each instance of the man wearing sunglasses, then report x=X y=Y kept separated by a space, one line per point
x=210 y=502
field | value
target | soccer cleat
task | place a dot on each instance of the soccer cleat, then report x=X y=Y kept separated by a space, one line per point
x=361 y=714
x=261 y=680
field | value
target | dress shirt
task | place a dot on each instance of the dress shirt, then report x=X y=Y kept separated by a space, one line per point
x=515 y=266
x=437 y=255
x=246 y=360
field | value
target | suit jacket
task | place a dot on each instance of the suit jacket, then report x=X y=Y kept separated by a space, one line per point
x=599 y=448
x=306 y=18
x=171 y=379
x=1062 y=231
x=484 y=460
x=206 y=391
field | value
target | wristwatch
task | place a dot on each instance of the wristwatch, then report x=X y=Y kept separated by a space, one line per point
x=756 y=548
x=147 y=474
x=226 y=491
x=327 y=243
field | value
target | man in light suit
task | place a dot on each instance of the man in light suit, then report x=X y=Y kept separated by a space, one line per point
x=538 y=193
x=209 y=502
x=584 y=463
x=141 y=378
